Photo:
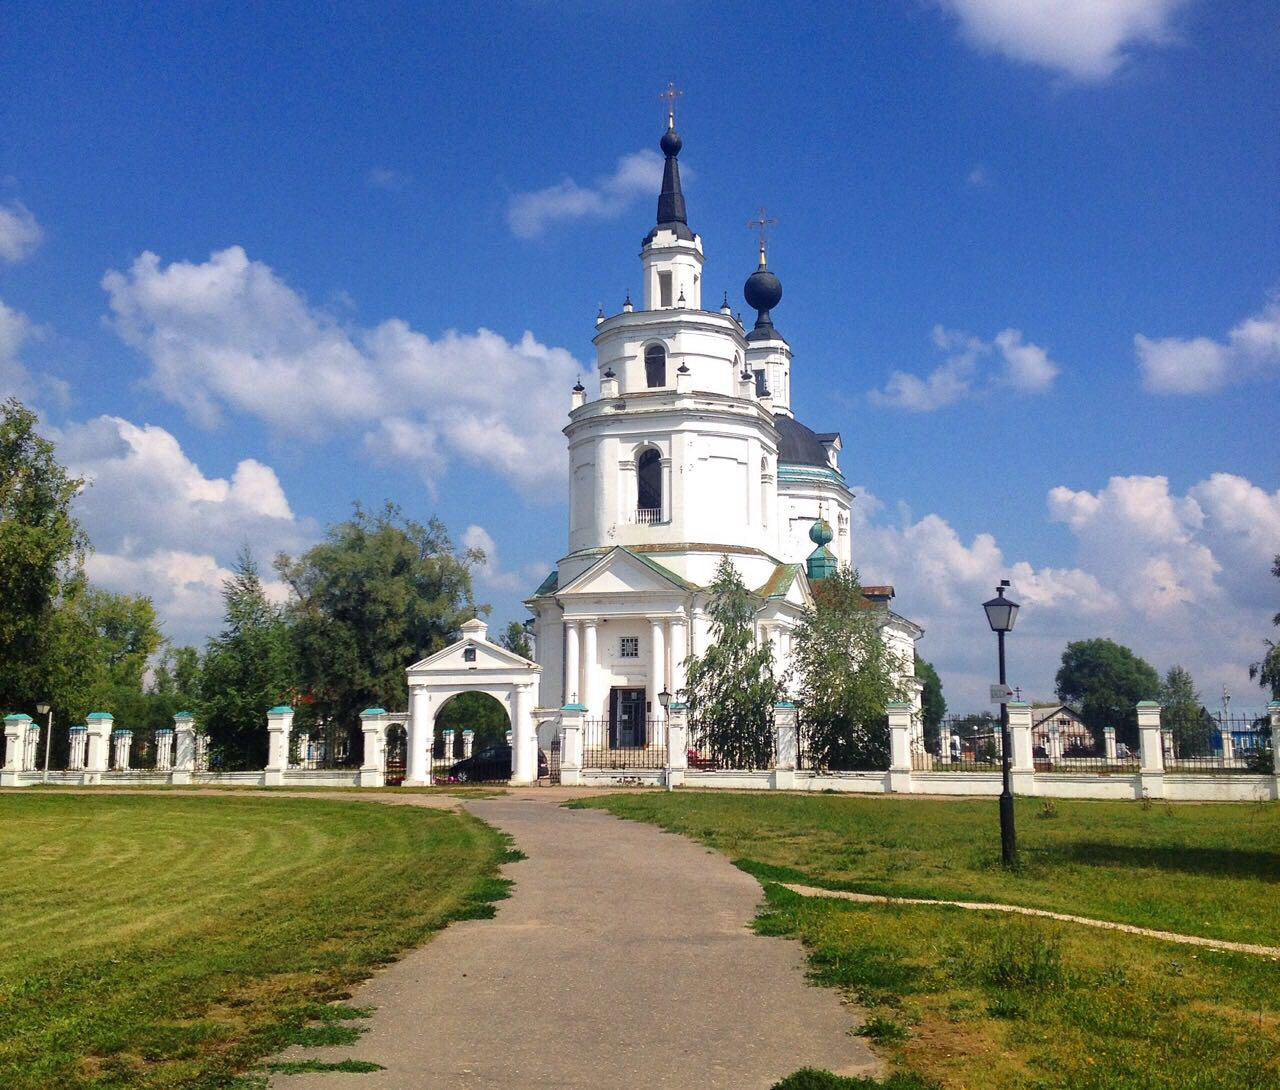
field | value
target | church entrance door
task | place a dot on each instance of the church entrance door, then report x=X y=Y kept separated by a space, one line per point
x=626 y=718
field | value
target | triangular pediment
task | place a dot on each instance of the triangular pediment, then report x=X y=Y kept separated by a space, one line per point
x=620 y=571
x=487 y=657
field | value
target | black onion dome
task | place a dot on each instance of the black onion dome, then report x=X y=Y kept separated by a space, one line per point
x=671 y=143
x=763 y=290
x=671 y=210
x=799 y=445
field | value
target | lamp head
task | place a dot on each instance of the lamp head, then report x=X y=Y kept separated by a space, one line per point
x=664 y=698
x=43 y=709
x=1001 y=611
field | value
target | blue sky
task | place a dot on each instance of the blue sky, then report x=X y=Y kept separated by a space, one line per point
x=257 y=262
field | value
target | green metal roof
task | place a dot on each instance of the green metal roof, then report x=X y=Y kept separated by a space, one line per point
x=548 y=585
x=780 y=582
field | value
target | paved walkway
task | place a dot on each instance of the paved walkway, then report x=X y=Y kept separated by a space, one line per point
x=623 y=959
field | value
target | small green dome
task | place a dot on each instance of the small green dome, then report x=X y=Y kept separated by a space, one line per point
x=820 y=532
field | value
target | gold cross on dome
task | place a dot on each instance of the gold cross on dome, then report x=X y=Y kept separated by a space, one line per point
x=671 y=94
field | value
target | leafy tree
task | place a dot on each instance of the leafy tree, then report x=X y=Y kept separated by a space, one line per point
x=730 y=689
x=845 y=675
x=380 y=593
x=1267 y=671
x=248 y=668
x=516 y=639
x=1193 y=727
x=932 y=704
x=479 y=712
x=1105 y=680
x=42 y=548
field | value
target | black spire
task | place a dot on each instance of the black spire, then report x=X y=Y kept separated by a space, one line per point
x=671 y=211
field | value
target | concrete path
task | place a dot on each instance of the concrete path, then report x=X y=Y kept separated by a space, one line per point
x=624 y=959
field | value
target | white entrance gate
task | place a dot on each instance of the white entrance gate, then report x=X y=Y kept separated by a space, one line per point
x=472 y=665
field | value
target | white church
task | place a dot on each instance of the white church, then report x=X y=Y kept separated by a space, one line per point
x=687 y=451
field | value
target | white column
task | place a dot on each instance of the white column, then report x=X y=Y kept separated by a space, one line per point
x=184 y=747
x=279 y=725
x=524 y=742
x=899 y=746
x=572 y=675
x=1228 y=747
x=570 y=747
x=420 y=736
x=448 y=736
x=1151 y=748
x=590 y=667
x=164 y=749
x=99 y=731
x=373 y=727
x=658 y=660
x=468 y=742
x=1109 y=742
x=679 y=652
x=1020 y=758
x=15 y=742
x=77 y=740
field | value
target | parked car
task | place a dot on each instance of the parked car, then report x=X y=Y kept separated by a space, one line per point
x=490 y=763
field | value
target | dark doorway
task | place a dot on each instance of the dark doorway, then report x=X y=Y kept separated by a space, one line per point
x=626 y=718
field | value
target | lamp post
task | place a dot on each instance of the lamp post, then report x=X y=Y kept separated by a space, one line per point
x=45 y=710
x=664 y=698
x=1001 y=613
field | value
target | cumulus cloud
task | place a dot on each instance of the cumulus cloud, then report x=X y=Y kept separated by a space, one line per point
x=1199 y=365
x=162 y=528
x=1086 y=40
x=15 y=329
x=229 y=333
x=638 y=174
x=1182 y=579
x=491 y=573
x=972 y=367
x=19 y=232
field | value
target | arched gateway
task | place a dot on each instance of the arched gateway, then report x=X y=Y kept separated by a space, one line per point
x=473 y=664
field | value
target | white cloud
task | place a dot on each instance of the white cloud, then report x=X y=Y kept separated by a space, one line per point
x=386 y=178
x=1083 y=39
x=160 y=527
x=15 y=329
x=637 y=174
x=973 y=367
x=491 y=573
x=1200 y=365
x=19 y=232
x=230 y=334
x=1181 y=579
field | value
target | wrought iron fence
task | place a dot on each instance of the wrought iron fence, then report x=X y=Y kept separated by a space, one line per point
x=1216 y=743
x=396 y=761
x=1063 y=743
x=324 y=746
x=968 y=743
x=606 y=746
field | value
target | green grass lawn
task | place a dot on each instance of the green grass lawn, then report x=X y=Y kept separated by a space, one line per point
x=161 y=941
x=972 y=999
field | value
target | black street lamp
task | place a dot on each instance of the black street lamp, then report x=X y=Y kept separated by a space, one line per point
x=664 y=698
x=43 y=709
x=1001 y=613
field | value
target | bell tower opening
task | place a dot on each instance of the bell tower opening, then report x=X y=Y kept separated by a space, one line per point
x=649 y=487
x=655 y=366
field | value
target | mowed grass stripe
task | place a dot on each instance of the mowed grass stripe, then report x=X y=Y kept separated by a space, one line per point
x=165 y=941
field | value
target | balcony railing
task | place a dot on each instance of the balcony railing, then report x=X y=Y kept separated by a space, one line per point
x=649 y=516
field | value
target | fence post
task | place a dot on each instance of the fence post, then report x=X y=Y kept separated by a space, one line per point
x=448 y=737
x=571 y=744
x=77 y=740
x=1273 y=711
x=1151 y=746
x=164 y=749
x=184 y=747
x=122 y=743
x=279 y=724
x=1022 y=761
x=468 y=742
x=944 y=741
x=899 y=746
x=678 y=739
x=99 y=731
x=15 y=749
x=373 y=763
x=1109 y=743
x=1228 y=745
x=787 y=745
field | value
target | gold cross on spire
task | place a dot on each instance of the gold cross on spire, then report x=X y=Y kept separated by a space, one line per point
x=671 y=94
x=760 y=224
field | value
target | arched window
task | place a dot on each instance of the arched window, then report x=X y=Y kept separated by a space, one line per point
x=649 y=486
x=655 y=366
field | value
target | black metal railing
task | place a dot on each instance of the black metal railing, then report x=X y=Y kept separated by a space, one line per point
x=327 y=746
x=969 y=743
x=1205 y=743
x=610 y=745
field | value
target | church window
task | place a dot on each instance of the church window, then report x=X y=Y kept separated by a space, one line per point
x=629 y=647
x=761 y=388
x=649 y=486
x=664 y=289
x=655 y=366
x=469 y=654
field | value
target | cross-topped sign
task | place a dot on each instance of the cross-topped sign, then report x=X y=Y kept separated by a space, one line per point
x=671 y=94
x=760 y=223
